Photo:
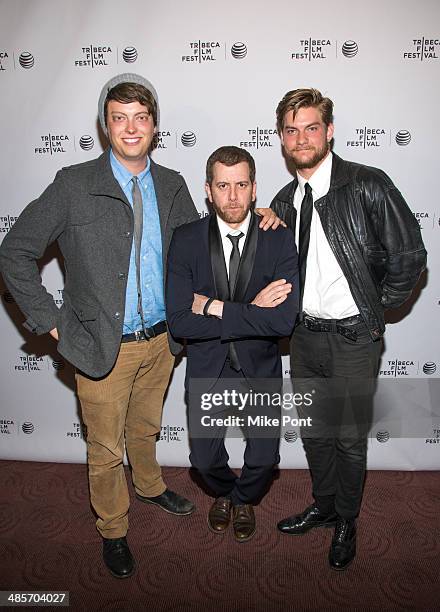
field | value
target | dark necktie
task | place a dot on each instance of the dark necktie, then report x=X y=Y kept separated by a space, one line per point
x=138 y=228
x=234 y=263
x=304 y=237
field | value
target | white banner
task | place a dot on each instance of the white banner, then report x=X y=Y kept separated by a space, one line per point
x=220 y=71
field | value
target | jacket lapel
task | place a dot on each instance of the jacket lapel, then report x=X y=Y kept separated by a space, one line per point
x=247 y=260
x=165 y=188
x=217 y=260
x=104 y=182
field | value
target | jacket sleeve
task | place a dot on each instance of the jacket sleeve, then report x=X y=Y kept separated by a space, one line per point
x=247 y=320
x=40 y=224
x=185 y=205
x=182 y=322
x=400 y=236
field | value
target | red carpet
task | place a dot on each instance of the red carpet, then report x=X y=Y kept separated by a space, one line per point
x=48 y=542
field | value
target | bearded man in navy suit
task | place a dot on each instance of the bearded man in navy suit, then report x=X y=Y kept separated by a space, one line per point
x=231 y=293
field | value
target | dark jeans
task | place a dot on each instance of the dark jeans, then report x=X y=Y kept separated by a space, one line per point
x=210 y=457
x=343 y=371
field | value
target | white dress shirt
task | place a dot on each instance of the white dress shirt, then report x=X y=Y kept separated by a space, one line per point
x=227 y=244
x=326 y=291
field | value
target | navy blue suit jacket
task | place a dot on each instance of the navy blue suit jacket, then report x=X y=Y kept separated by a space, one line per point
x=196 y=265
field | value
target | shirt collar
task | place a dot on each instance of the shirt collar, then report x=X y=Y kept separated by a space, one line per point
x=225 y=229
x=320 y=179
x=124 y=176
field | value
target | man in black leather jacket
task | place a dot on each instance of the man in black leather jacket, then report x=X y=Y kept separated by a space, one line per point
x=360 y=252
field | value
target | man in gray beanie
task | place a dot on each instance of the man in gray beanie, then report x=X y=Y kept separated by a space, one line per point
x=113 y=218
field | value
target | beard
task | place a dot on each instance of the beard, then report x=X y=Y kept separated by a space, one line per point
x=232 y=215
x=317 y=155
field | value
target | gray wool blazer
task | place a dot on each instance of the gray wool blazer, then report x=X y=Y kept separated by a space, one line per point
x=87 y=213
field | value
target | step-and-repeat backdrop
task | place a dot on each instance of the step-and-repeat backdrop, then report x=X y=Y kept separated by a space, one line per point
x=220 y=70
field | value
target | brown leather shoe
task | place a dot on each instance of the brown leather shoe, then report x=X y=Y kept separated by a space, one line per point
x=219 y=515
x=243 y=521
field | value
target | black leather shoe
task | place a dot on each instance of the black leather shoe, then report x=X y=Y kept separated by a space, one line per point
x=170 y=502
x=310 y=518
x=118 y=558
x=219 y=515
x=343 y=547
x=243 y=521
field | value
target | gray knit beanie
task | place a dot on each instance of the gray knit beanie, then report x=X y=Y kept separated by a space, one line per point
x=126 y=77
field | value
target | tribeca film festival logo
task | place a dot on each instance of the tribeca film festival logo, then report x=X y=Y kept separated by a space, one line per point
x=435 y=436
x=53 y=144
x=171 y=433
x=29 y=363
x=96 y=56
x=311 y=49
x=423 y=49
x=8 y=60
x=365 y=137
x=78 y=430
x=399 y=367
x=423 y=218
x=259 y=138
x=202 y=51
x=7 y=426
x=6 y=222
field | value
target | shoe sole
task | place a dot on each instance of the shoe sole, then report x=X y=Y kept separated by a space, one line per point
x=148 y=501
x=301 y=533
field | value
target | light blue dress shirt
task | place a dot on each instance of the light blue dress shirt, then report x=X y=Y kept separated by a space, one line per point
x=153 y=303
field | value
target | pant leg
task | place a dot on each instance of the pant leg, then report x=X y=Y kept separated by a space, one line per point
x=210 y=457
x=310 y=360
x=104 y=404
x=144 y=415
x=260 y=457
x=357 y=365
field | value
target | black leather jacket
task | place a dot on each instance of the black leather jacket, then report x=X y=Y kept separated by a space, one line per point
x=373 y=234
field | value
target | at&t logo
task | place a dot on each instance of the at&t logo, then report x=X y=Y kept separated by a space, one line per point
x=429 y=368
x=129 y=55
x=350 y=48
x=403 y=138
x=27 y=428
x=188 y=139
x=26 y=60
x=238 y=50
x=86 y=142
x=291 y=436
x=383 y=436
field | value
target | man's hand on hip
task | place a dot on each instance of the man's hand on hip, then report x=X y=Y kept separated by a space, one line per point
x=274 y=294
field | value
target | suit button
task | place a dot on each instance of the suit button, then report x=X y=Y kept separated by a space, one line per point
x=121 y=275
x=127 y=234
x=117 y=315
